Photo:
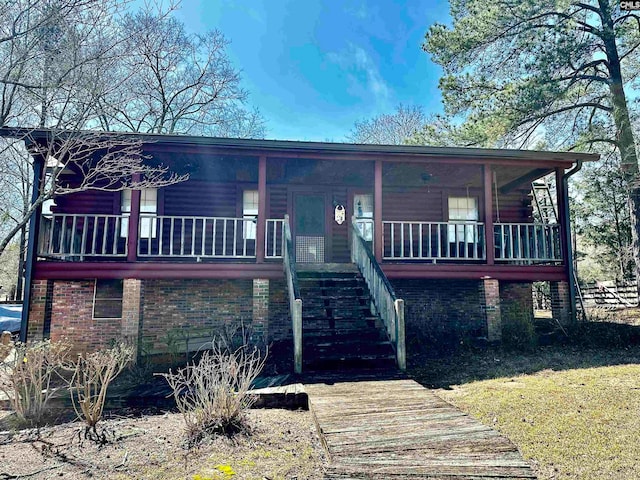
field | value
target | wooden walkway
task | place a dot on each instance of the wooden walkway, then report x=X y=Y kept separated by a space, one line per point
x=396 y=428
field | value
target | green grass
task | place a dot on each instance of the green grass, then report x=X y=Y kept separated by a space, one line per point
x=572 y=412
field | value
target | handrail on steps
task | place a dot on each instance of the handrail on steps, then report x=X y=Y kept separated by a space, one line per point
x=390 y=307
x=295 y=302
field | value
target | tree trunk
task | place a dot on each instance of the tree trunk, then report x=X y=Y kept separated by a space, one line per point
x=21 y=259
x=626 y=140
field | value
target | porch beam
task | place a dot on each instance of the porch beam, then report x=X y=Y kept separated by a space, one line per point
x=526 y=178
x=377 y=211
x=134 y=220
x=262 y=208
x=488 y=214
x=560 y=199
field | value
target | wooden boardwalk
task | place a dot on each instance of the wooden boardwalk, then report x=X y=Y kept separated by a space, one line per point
x=395 y=428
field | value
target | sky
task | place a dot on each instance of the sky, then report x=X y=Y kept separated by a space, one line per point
x=315 y=67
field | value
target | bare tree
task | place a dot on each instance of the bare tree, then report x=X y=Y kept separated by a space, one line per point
x=93 y=160
x=176 y=82
x=390 y=129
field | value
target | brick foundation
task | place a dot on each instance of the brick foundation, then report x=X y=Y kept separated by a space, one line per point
x=72 y=317
x=131 y=312
x=490 y=298
x=40 y=310
x=223 y=306
x=440 y=310
x=279 y=319
x=561 y=302
x=260 y=309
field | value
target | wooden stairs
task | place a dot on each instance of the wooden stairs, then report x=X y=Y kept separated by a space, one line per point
x=339 y=330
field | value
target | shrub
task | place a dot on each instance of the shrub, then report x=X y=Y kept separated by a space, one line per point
x=26 y=378
x=212 y=394
x=92 y=376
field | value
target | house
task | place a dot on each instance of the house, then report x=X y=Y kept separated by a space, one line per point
x=445 y=240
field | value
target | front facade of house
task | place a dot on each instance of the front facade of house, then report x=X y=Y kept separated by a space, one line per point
x=457 y=232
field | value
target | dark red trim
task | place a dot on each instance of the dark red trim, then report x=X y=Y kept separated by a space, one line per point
x=488 y=213
x=529 y=273
x=377 y=210
x=206 y=151
x=134 y=220
x=155 y=270
x=262 y=208
x=560 y=205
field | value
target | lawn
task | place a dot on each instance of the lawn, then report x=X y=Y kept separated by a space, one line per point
x=573 y=412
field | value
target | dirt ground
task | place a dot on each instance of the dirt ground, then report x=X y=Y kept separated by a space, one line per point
x=282 y=444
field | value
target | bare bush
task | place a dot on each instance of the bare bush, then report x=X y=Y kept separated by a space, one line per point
x=92 y=376
x=26 y=377
x=212 y=395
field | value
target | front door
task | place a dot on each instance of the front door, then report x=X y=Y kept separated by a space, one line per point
x=309 y=227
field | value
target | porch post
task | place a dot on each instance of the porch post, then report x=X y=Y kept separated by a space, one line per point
x=560 y=201
x=134 y=220
x=488 y=214
x=262 y=208
x=377 y=211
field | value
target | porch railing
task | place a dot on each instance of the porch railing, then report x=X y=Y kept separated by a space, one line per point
x=433 y=240
x=390 y=308
x=295 y=302
x=75 y=237
x=199 y=237
x=273 y=244
x=528 y=242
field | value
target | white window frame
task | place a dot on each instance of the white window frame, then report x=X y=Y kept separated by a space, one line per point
x=464 y=215
x=148 y=206
x=250 y=206
x=365 y=226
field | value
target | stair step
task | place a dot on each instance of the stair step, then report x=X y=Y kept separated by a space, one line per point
x=338 y=328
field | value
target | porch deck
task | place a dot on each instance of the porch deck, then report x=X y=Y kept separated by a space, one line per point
x=395 y=428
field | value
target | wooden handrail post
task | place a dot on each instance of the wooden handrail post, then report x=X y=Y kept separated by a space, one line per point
x=297 y=335
x=401 y=349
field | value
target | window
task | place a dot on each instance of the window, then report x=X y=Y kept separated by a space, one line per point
x=462 y=210
x=107 y=299
x=250 y=210
x=363 y=211
x=148 y=206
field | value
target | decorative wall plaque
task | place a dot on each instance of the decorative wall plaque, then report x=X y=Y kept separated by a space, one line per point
x=340 y=214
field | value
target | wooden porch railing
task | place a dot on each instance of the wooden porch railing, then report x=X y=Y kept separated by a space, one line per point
x=200 y=237
x=390 y=308
x=75 y=237
x=273 y=239
x=433 y=240
x=295 y=302
x=528 y=242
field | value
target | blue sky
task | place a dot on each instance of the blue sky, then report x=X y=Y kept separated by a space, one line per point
x=314 y=67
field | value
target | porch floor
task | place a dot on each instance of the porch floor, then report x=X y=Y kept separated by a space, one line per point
x=395 y=428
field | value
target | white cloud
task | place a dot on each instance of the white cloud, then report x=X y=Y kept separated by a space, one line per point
x=362 y=71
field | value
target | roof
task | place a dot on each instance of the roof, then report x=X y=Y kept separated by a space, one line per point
x=302 y=147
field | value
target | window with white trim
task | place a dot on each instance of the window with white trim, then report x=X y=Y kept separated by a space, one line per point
x=363 y=211
x=463 y=210
x=250 y=210
x=107 y=299
x=148 y=206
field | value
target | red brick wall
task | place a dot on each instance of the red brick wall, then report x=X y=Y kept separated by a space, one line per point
x=170 y=304
x=279 y=319
x=72 y=317
x=39 y=308
x=516 y=296
x=438 y=310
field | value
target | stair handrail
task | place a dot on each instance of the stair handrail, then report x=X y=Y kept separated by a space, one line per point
x=389 y=306
x=295 y=302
